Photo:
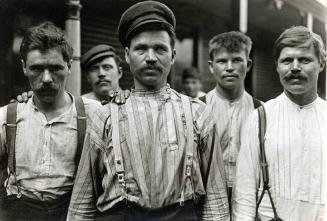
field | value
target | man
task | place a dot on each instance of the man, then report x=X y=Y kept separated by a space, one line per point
x=102 y=67
x=231 y=104
x=295 y=140
x=155 y=156
x=192 y=84
x=41 y=140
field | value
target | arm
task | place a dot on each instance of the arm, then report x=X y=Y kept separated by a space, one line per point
x=3 y=152
x=87 y=183
x=247 y=172
x=216 y=202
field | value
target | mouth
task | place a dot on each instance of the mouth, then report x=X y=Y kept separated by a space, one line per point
x=103 y=83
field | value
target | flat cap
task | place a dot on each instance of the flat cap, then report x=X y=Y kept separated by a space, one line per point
x=97 y=52
x=143 y=13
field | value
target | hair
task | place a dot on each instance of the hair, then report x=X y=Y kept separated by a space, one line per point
x=232 y=41
x=154 y=27
x=44 y=37
x=191 y=72
x=301 y=37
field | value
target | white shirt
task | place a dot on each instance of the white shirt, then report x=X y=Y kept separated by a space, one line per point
x=295 y=144
x=45 y=150
x=230 y=116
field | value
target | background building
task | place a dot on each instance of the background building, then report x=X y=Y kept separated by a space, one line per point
x=89 y=23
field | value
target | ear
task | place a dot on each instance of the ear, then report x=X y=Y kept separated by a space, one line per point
x=24 y=67
x=120 y=72
x=88 y=77
x=249 y=65
x=127 y=55
x=173 y=56
x=210 y=66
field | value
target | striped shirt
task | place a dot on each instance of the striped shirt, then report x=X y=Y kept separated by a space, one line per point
x=153 y=138
x=230 y=116
x=296 y=145
x=45 y=151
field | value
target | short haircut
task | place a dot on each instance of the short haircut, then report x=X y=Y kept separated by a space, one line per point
x=154 y=27
x=300 y=37
x=191 y=72
x=232 y=41
x=44 y=37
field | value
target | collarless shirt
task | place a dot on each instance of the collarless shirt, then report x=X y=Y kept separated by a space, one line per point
x=230 y=116
x=45 y=150
x=295 y=145
x=152 y=137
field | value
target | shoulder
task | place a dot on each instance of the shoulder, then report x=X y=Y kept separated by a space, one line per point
x=91 y=105
x=3 y=114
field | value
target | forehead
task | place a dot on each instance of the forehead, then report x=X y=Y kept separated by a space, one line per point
x=49 y=56
x=223 y=52
x=298 y=51
x=151 y=37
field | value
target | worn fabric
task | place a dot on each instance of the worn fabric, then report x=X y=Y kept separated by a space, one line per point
x=295 y=144
x=230 y=116
x=91 y=95
x=45 y=151
x=153 y=138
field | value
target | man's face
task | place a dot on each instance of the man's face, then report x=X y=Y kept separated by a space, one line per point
x=104 y=76
x=150 y=57
x=192 y=86
x=47 y=73
x=298 y=70
x=229 y=68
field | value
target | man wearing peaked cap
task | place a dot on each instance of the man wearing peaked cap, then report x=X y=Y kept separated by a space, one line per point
x=102 y=67
x=158 y=157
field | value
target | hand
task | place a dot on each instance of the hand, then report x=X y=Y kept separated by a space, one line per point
x=118 y=97
x=23 y=98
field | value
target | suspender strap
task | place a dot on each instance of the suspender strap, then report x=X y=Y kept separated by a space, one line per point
x=11 y=129
x=118 y=158
x=81 y=128
x=263 y=161
x=189 y=142
x=256 y=102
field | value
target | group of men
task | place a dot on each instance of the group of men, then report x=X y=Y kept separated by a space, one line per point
x=161 y=155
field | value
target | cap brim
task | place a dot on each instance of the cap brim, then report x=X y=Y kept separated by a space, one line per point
x=103 y=54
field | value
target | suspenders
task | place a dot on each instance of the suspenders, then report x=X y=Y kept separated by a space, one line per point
x=11 y=129
x=119 y=164
x=263 y=162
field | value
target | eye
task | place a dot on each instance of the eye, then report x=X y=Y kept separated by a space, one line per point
x=56 y=68
x=161 y=49
x=237 y=60
x=140 y=49
x=36 y=68
x=305 y=60
x=107 y=67
x=286 y=60
x=221 y=61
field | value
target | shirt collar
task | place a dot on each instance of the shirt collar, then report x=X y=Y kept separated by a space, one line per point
x=164 y=93
x=237 y=100
x=307 y=106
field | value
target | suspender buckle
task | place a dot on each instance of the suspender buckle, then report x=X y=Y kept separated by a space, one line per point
x=188 y=170
x=121 y=178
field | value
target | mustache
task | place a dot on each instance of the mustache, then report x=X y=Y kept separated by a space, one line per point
x=292 y=75
x=47 y=88
x=151 y=67
x=102 y=80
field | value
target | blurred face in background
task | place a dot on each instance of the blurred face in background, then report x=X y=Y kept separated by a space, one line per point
x=47 y=73
x=192 y=86
x=104 y=76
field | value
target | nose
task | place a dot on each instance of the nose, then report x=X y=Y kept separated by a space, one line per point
x=296 y=66
x=47 y=78
x=229 y=67
x=151 y=57
x=101 y=73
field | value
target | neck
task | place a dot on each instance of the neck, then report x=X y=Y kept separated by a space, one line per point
x=231 y=94
x=63 y=100
x=143 y=87
x=301 y=99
